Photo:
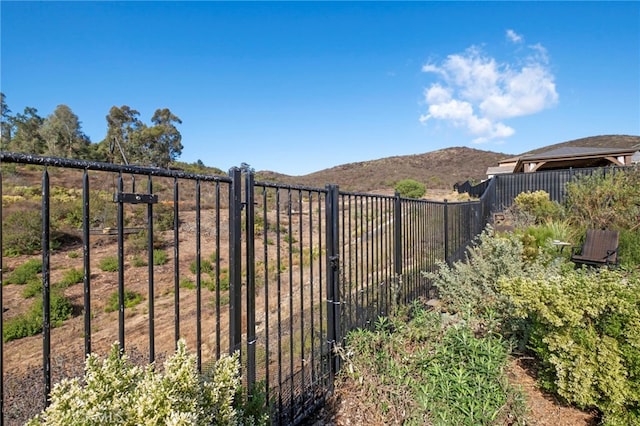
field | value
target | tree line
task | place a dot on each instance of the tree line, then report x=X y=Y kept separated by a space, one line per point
x=128 y=140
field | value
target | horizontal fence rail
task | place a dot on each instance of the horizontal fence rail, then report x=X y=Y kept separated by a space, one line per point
x=279 y=273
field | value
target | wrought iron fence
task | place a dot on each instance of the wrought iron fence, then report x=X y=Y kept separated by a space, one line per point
x=278 y=272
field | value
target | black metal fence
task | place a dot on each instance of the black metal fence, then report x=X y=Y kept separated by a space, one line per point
x=278 y=272
x=504 y=188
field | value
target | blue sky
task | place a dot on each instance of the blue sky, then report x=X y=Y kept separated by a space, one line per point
x=297 y=87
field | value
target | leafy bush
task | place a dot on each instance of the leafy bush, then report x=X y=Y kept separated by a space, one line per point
x=414 y=369
x=108 y=264
x=605 y=200
x=131 y=299
x=206 y=266
x=469 y=286
x=30 y=322
x=116 y=392
x=159 y=257
x=538 y=205
x=585 y=327
x=24 y=272
x=410 y=188
x=71 y=276
x=22 y=232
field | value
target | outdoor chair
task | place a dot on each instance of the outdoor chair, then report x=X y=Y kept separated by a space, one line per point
x=600 y=248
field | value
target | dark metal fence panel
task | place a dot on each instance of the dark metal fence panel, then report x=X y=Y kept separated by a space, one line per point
x=503 y=188
x=278 y=272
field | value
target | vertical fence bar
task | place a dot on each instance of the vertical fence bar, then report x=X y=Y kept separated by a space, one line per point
x=235 y=260
x=86 y=255
x=152 y=344
x=446 y=232
x=46 y=288
x=176 y=262
x=121 y=294
x=265 y=258
x=397 y=246
x=333 y=277
x=251 y=281
x=217 y=243
x=1 y=308
x=198 y=277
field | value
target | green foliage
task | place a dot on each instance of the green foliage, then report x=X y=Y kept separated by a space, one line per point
x=160 y=257
x=206 y=266
x=108 y=264
x=538 y=205
x=22 y=232
x=469 y=286
x=32 y=288
x=138 y=261
x=25 y=272
x=605 y=200
x=585 y=327
x=131 y=299
x=628 y=251
x=71 y=276
x=30 y=322
x=116 y=392
x=417 y=370
x=410 y=188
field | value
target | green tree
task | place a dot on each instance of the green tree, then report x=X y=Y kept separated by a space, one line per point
x=6 y=126
x=123 y=125
x=410 y=188
x=27 y=136
x=63 y=134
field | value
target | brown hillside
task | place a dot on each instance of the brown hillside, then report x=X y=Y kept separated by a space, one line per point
x=437 y=170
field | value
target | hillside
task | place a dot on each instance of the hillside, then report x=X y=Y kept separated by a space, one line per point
x=439 y=169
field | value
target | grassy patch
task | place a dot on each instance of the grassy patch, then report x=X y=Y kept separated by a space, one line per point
x=24 y=273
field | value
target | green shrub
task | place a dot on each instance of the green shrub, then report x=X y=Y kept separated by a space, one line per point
x=159 y=257
x=30 y=322
x=469 y=286
x=538 y=205
x=410 y=188
x=206 y=267
x=114 y=391
x=25 y=272
x=22 y=232
x=584 y=325
x=605 y=200
x=71 y=276
x=138 y=261
x=628 y=251
x=32 y=288
x=131 y=299
x=108 y=264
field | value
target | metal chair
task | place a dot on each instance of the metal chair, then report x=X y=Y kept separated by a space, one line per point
x=600 y=248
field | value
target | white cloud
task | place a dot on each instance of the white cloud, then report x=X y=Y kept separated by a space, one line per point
x=513 y=36
x=477 y=93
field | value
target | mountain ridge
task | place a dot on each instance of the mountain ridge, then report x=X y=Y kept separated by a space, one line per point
x=439 y=169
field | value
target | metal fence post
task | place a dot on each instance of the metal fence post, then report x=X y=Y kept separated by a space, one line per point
x=251 y=280
x=333 y=274
x=235 y=260
x=46 y=288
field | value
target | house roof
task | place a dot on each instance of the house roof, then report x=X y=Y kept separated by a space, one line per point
x=572 y=156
